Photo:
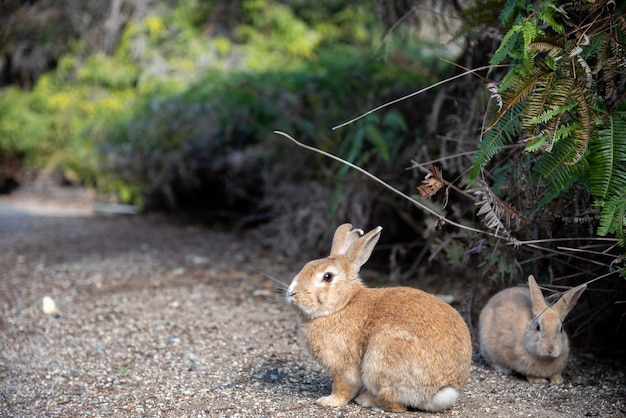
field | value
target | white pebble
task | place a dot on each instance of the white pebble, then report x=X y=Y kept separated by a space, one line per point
x=48 y=306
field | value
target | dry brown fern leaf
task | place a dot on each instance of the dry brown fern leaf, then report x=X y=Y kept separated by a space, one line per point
x=496 y=214
x=432 y=183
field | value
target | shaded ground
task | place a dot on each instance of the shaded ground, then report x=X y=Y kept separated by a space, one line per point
x=161 y=318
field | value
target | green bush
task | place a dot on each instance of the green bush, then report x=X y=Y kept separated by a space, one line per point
x=188 y=136
x=126 y=122
x=558 y=100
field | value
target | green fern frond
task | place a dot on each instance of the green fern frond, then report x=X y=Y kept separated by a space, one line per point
x=607 y=175
x=547 y=138
x=510 y=9
x=547 y=13
x=530 y=30
x=552 y=167
x=561 y=179
x=504 y=131
x=551 y=131
x=538 y=143
x=513 y=74
x=514 y=44
x=596 y=48
x=613 y=219
x=550 y=114
x=508 y=48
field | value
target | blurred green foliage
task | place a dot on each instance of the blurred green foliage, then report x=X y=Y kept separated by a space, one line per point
x=172 y=96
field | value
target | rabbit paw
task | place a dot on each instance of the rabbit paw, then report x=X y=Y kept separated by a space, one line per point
x=537 y=380
x=332 y=400
x=367 y=400
x=557 y=379
x=502 y=369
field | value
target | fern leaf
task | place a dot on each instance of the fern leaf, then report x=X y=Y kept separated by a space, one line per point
x=508 y=46
x=432 y=183
x=495 y=213
x=537 y=101
x=511 y=7
x=548 y=137
x=613 y=218
x=546 y=107
x=552 y=168
x=580 y=147
x=530 y=30
x=584 y=110
x=515 y=43
x=519 y=87
x=505 y=130
x=607 y=175
x=550 y=47
x=550 y=114
x=547 y=13
x=537 y=143
x=611 y=57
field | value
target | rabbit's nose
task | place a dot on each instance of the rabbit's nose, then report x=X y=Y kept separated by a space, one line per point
x=552 y=351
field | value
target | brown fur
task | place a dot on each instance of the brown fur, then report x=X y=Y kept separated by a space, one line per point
x=510 y=340
x=401 y=345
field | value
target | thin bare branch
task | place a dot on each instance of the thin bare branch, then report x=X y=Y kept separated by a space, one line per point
x=440 y=217
x=415 y=93
x=565 y=254
x=541 y=241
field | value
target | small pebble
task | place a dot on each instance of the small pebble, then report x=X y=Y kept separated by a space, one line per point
x=48 y=306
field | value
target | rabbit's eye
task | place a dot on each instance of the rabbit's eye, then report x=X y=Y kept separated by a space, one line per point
x=538 y=326
x=328 y=277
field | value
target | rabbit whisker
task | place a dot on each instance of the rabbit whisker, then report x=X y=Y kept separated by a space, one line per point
x=279 y=283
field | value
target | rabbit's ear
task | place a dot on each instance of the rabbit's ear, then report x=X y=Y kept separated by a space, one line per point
x=566 y=303
x=359 y=252
x=343 y=238
x=536 y=297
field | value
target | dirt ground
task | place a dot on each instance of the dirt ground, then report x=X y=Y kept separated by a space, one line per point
x=162 y=318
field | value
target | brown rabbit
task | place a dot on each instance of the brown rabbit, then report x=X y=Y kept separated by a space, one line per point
x=400 y=346
x=519 y=332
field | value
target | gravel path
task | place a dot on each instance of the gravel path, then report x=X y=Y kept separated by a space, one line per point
x=160 y=318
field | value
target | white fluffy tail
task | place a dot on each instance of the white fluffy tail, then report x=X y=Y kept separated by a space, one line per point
x=443 y=399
